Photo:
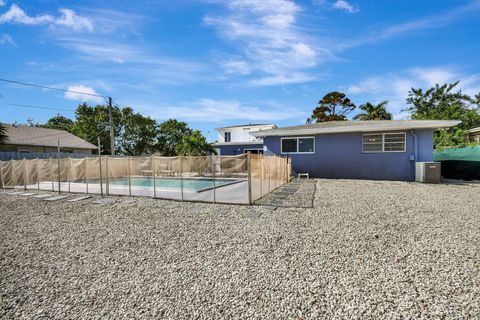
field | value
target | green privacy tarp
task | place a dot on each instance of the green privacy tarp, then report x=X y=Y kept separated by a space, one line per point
x=458 y=154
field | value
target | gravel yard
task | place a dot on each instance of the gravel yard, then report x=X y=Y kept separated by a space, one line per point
x=365 y=250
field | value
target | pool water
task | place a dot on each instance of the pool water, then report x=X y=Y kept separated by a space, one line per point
x=173 y=183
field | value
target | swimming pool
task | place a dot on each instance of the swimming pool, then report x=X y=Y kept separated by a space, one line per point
x=196 y=184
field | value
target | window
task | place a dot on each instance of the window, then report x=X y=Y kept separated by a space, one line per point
x=298 y=145
x=384 y=142
x=228 y=136
x=394 y=142
x=305 y=145
x=373 y=143
x=289 y=145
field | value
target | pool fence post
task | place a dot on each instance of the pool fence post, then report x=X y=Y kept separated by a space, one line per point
x=2 y=184
x=51 y=173
x=129 y=180
x=212 y=157
x=100 y=166
x=25 y=174
x=249 y=167
x=69 y=172
x=107 y=181
x=58 y=162
x=154 y=175
x=181 y=175
x=86 y=174
x=38 y=172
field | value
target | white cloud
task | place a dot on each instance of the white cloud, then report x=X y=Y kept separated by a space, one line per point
x=282 y=79
x=16 y=15
x=237 y=66
x=7 y=39
x=395 y=87
x=68 y=18
x=2 y=3
x=209 y=110
x=344 y=5
x=71 y=20
x=78 y=96
x=270 y=42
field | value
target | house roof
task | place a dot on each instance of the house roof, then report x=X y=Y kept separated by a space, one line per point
x=357 y=126
x=474 y=130
x=37 y=136
x=238 y=143
x=248 y=125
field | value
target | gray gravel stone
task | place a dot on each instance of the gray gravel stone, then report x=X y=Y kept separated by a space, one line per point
x=104 y=201
x=366 y=250
x=253 y=214
x=55 y=198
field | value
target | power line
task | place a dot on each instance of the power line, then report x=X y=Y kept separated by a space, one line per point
x=51 y=88
x=112 y=135
x=36 y=107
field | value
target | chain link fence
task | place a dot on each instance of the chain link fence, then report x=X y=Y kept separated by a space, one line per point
x=224 y=179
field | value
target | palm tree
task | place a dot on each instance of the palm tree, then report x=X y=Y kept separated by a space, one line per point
x=3 y=134
x=374 y=112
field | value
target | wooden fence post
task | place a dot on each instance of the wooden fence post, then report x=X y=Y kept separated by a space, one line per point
x=261 y=174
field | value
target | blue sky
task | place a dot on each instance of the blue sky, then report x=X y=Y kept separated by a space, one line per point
x=222 y=62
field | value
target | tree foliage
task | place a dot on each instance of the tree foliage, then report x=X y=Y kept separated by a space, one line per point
x=374 y=112
x=92 y=122
x=135 y=134
x=194 y=144
x=59 y=122
x=445 y=103
x=138 y=134
x=334 y=106
x=171 y=133
x=3 y=134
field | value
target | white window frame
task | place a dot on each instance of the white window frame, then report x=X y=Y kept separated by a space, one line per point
x=297 y=138
x=383 y=134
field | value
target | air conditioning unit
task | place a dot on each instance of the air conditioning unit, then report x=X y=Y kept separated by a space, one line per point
x=428 y=172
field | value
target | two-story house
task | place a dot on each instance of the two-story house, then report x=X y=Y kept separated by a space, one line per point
x=237 y=139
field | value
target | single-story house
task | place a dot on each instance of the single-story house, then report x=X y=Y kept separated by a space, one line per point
x=382 y=150
x=474 y=135
x=238 y=139
x=26 y=138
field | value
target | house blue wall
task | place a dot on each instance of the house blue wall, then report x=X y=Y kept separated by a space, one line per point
x=340 y=156
x=231 y=150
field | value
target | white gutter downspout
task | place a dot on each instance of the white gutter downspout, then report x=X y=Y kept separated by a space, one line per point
x=415 y=139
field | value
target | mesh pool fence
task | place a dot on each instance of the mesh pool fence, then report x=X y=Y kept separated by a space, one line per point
x=223 y=179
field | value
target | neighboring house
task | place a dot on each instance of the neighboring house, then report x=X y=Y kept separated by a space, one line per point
x=382 y=150
x=238 y=139
x=474 y=134
x=25 y=138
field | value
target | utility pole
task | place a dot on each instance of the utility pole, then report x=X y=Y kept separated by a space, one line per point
x=112 y=135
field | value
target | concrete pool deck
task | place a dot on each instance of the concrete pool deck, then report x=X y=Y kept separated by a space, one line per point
x=236 y=193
